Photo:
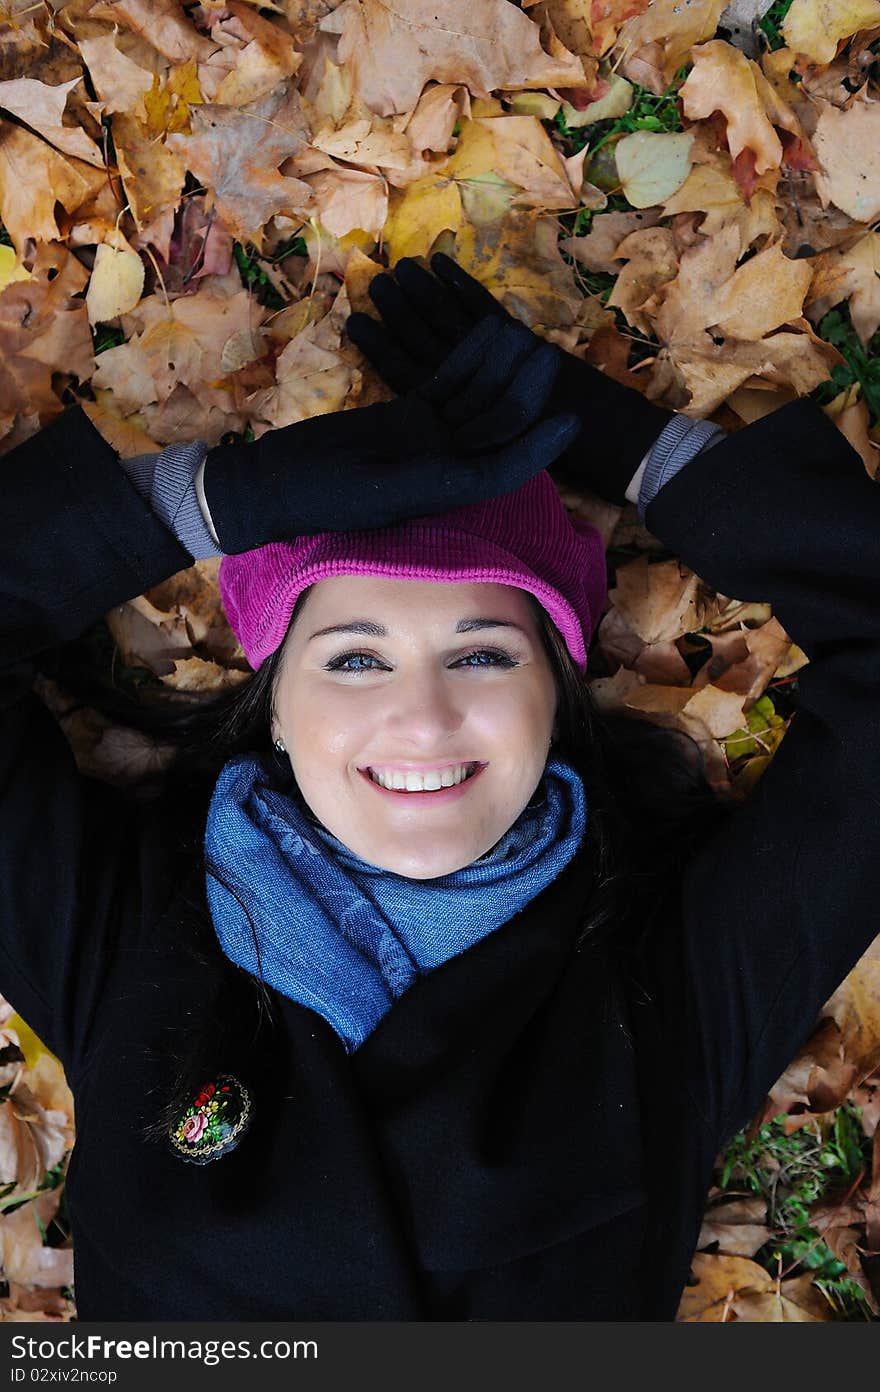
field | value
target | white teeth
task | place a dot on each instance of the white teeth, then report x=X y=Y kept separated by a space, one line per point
x=419 y=783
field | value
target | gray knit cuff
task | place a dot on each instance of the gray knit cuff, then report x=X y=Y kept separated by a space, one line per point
x=167 y=481
x=680 y=441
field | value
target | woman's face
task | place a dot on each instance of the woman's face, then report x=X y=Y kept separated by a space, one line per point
x=432 y=686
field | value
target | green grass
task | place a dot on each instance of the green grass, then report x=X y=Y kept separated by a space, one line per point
x=772 y=22
x=649 y=112
x=105 y=336
x=251 y=269
x=791 y=1173
x=862 y=365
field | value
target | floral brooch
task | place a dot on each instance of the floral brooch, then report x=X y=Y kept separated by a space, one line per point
x=214 y=1122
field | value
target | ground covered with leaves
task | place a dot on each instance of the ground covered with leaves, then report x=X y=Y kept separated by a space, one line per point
x=193 y=197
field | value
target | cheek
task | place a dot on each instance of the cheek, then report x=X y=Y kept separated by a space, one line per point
x=327 y=724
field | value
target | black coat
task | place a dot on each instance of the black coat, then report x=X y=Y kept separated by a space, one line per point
x=529 y=1132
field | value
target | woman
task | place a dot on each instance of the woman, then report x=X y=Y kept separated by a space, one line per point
x=432 y=1060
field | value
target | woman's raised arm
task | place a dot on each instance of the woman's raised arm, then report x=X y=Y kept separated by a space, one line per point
x=781 y=901
x=77 y=539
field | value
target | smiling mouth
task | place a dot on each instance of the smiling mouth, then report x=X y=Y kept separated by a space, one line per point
x=473 y=768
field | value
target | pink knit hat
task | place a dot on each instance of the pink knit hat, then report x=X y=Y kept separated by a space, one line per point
x=524 y=538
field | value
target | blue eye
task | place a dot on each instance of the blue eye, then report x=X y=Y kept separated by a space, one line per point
x=497 y=659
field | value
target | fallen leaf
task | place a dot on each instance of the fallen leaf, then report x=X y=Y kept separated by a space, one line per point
x=599 y=248
x=34 y=178
x=525 y=156
x=42 y=107
x=116 y=284
x=653 y=45
x=817 y=27
x=651 y=261
x=854 y=275
x=652 y=166
x=119 y=81
x=723 y=79
x=847 y=145
x=615 y=102
x=393 y=50
x=517 y=259
x=164 y=25
x=855 y=1006
x=237 y=151
x=730 y=1287
x=659 y=601
x=418 y=214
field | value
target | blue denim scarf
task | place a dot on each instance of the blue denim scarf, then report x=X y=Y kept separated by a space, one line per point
x=344 y=937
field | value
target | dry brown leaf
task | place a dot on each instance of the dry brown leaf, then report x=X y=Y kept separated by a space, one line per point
x=43 y=330
x=852 y=274
x=598 y=249
x=251 y=58
x=847 y=145
x=720 y=712
x=236 y=153
x=850 y=414
x=737 y=1226
x=761 y=295
x=162 y=23
x=393 y=50
x=431 y=123
x=42 y=107
x=819 y=1077
x=730 y=1287
x=152 y=174
x=651 y=261
x=349 y=199
x=26 y=1261
x=723 y=79
x=525 y=155
x=33 y=179
x=855 y=1006
x=194 y=674
x=33 y=1138
x=119 y=81
x=712 y=371
x=708 y=189
x=655 y=44
x=659 y=601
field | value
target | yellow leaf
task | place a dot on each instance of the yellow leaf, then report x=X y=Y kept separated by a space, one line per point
x=30 y=1045
x=816 y=27
x=116 y=285
x=517 y=258
x=11 y=268
x=616 y=102
x=418 y=214
x=652 y=166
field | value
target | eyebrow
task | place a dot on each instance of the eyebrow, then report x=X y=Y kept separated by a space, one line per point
x=374 y=630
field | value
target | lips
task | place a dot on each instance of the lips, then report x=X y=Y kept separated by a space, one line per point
x=438 y=795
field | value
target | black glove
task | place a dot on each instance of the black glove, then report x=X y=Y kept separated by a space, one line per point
x=426 y=315
x=470 y=431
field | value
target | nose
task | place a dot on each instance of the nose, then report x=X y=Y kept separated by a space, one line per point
x=423 y=713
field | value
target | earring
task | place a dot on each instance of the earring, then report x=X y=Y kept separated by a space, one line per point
x=279 y=745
